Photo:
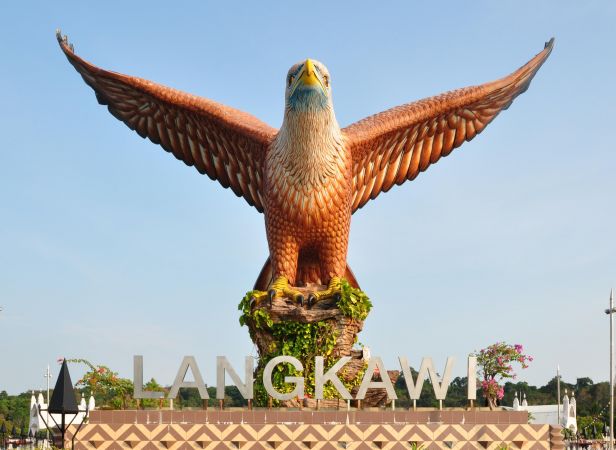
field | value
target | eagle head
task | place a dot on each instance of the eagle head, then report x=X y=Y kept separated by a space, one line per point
x=308 y=87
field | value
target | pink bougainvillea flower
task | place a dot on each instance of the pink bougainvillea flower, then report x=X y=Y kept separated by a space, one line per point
x=500 y=393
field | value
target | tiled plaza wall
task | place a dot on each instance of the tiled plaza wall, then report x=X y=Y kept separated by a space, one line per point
x=276 y=429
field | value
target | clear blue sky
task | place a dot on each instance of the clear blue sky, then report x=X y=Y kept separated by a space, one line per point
x=109 y=247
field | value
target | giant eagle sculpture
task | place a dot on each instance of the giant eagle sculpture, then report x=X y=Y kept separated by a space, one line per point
x=309 y=176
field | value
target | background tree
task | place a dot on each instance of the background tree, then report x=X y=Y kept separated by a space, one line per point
x=189 y=397
x=153 y=386
x=14 y=409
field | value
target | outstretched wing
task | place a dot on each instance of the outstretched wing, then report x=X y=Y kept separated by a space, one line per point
x=396 y=145
x=226 y=144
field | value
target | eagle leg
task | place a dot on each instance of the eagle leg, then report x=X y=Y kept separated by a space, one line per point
x=334 y=290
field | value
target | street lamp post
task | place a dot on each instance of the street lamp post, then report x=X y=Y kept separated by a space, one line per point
x=611 y=312
x=48 y=376
x=63 y=405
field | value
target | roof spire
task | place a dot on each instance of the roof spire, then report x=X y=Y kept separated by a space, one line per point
x=516 y=402
x=63 y=399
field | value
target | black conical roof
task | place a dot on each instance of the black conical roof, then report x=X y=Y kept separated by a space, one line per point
x=63 y=399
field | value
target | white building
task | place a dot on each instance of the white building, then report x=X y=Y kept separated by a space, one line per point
x=38 y=419
x=548 y=414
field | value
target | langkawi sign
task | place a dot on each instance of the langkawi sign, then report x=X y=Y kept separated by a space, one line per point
x=321 y=377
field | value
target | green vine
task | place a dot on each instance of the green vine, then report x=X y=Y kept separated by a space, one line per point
x=303 y=341
x=354 y=302
x=259 y=316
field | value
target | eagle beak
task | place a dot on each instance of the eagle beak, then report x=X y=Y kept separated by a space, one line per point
x=309 y=77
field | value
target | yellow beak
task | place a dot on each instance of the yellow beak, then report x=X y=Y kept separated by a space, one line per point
x=309 y=76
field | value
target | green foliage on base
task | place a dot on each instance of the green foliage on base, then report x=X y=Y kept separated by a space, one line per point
x=354 y=302
x=303 y=341
x=259 y=316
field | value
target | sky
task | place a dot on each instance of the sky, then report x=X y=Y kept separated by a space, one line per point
x=109 y=247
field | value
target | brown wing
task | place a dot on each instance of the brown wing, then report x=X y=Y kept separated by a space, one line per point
x=226 y=144
x=396 y=145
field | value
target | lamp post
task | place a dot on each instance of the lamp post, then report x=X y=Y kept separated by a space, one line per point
x=611 y=312
x=63 y=403
x=48 y=376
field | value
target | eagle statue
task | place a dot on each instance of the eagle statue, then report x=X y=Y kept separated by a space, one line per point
x=309 y=176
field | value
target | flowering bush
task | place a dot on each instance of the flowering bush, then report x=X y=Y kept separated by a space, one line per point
x=107 y=388
x=495 y=364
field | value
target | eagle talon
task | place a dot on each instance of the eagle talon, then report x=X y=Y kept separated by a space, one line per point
x=271 y=295
x=312 y=299
x=281 y=288
x=256 y=298
x=334 y=290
